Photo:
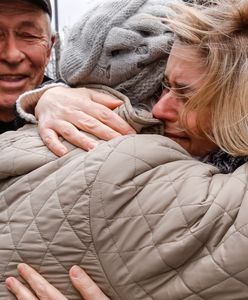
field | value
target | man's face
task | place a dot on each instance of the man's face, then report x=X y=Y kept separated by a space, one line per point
x=25 y=46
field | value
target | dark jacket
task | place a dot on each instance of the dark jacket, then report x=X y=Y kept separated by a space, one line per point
x=18 y=122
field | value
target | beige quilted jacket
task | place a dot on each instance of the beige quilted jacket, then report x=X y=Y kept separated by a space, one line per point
x=138 y=213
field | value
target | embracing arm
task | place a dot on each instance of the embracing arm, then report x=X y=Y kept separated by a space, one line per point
x=43 y=290
x=63 y=111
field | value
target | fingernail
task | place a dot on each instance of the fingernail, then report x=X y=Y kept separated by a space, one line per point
x=92 y=145
x=21 y=268
x=9 y=282
x=119 y=102
x=131 y=132
x=76 y=272
x=62 y=151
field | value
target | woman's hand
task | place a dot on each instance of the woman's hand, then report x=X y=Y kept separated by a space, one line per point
x=65 y=111
x=43 y=290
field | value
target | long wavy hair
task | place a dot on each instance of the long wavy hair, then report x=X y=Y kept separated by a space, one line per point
x=220 y=34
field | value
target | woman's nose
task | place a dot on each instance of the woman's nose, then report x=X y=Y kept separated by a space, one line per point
x=167 y=107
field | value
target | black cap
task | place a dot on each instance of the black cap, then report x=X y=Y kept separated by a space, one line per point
x=43 y=4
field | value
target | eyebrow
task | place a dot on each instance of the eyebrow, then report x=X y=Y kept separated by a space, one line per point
x=32 y=25
x=180 y=86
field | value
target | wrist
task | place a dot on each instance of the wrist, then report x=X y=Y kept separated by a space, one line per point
x=26 y=103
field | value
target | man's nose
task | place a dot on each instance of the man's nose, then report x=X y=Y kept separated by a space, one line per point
x=10 y=52
x=167 y=107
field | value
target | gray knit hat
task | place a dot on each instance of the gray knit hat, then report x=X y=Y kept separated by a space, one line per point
x=119 y=43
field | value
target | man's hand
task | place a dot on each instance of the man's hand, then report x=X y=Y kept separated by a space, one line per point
x=43 y=290
x=65 y=111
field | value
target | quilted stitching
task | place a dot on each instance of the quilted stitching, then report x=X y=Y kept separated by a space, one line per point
x=44 y=220
x=167 y=261
x=144 y=219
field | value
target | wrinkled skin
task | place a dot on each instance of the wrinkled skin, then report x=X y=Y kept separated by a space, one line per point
x=25 y=47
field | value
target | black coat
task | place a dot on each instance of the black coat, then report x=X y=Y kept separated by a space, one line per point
x=18 y=122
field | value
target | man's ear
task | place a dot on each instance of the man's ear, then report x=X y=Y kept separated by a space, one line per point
x=53 y=40
x=50 y=46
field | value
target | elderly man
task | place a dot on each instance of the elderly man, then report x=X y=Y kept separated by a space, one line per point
x=26 y=41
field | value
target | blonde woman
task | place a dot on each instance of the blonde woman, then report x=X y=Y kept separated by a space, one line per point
x=204 y=102
x=196 y=240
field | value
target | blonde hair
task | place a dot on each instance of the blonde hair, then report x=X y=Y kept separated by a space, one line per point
x=220 y=34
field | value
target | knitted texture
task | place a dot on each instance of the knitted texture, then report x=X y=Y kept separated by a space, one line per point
x=225 y=162
x=121 y=44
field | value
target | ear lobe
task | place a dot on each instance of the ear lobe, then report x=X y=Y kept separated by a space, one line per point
x=53 y=40
x=49 y=49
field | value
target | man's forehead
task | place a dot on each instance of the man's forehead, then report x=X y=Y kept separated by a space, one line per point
x=14 y=16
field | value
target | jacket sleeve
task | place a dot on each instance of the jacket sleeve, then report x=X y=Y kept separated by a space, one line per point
x=25 y=104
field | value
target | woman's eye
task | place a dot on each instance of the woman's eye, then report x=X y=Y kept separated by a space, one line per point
x=183 y=97
x=166 y=85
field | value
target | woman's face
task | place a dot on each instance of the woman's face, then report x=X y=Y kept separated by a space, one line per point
x=183 y=76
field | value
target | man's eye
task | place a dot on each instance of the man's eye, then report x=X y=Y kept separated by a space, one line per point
x=27 y=35
x=2 y=34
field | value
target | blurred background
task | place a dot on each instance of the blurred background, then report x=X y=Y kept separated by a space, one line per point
x=65 y=14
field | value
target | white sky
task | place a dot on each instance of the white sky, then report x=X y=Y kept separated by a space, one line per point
x=71 y=10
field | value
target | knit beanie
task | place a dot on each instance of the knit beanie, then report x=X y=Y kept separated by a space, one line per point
x=121 y=44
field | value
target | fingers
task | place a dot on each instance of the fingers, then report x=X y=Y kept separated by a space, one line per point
x=92 y=125
x=40 y=286
x=58 y=102
x=51 y=140
x=94 y=114
x=69 y=130
x=19 y=290
x=104 y=99
x=64 y=112
x=85 y=285
x=43 y=290
x=70 y=133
